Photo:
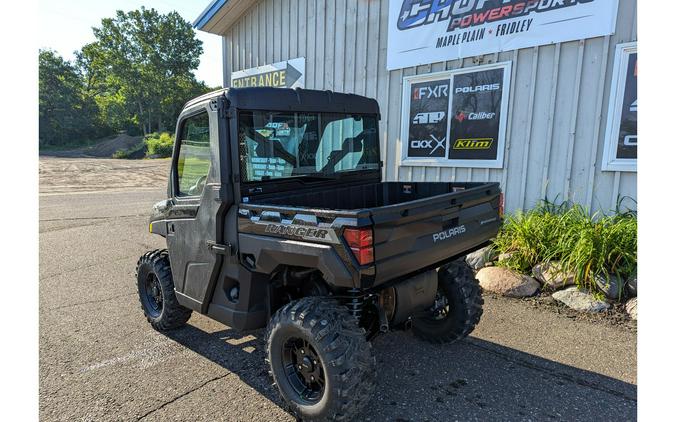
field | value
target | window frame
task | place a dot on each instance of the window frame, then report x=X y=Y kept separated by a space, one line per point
x=176 y=155
x=498 y=162
x=610 y=162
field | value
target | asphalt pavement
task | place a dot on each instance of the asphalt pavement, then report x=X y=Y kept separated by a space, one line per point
x=100 y=360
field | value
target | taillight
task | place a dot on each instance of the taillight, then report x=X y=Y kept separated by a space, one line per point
x=360 y=241
x=501 y=204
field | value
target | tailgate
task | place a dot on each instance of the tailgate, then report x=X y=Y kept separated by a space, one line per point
x=418 y=234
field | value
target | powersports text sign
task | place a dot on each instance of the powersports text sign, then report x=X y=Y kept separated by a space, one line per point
x=428 y=31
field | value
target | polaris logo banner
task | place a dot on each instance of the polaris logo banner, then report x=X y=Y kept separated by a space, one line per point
x=428 y=31
x=477 y=88
x=449 y=233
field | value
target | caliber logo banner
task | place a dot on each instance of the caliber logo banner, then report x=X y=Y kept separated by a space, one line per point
x=428 y=120
x=428 y=31
x=476 y=114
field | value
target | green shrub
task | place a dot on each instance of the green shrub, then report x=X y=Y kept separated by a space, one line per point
x=121 y=154
x=160 y=144
x=587 y=245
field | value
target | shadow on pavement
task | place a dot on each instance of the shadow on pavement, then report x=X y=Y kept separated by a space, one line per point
x=471 y=380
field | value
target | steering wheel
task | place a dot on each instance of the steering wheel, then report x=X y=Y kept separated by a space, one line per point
x=198 y=187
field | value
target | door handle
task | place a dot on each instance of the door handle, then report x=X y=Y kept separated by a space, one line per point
x=225 y=249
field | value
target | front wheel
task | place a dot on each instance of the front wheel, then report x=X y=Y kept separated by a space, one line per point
x=156 y=293
x=456 y=310
x=320 y=360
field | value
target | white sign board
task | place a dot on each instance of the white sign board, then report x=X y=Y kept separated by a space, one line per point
x=286 y=74
x=429 y=31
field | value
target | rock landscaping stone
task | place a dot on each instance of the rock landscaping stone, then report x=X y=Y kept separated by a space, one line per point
x=480 y=258
x=504 y=256
x=611 y=288
x=580 y=300
x=631 y=286
x=551 y=275
x=631 y=308
x=506 y=282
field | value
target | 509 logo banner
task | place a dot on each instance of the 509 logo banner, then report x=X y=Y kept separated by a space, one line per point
x=429 y=31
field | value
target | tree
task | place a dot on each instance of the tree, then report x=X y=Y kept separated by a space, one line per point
x=145 y=61
x=65 y=115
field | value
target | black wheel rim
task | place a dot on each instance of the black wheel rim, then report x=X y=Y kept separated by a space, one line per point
x=440 y=310
x=152 y=295
x=303 y=370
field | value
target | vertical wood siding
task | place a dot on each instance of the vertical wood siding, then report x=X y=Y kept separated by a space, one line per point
x=557 y=106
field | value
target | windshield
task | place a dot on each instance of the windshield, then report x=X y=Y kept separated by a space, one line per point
x=276 y=145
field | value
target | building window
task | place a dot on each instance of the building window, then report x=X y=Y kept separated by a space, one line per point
x=621 y=134
x=456 y=118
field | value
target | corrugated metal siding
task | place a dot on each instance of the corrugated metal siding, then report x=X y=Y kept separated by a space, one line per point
x=557 y=107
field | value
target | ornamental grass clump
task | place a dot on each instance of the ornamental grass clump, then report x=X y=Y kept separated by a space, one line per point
x=586 y=245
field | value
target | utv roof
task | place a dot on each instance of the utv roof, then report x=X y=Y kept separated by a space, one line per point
x=298 y=99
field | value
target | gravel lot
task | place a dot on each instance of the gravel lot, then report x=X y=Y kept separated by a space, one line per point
x=100 y=360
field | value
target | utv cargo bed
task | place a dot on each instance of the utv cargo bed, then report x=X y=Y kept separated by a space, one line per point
x=416 y=225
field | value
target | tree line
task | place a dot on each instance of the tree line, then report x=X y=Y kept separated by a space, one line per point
x=135 y=77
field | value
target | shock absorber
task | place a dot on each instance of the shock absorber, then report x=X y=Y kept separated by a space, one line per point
x=355 y=302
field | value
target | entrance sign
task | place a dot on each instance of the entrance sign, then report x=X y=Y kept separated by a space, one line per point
x=429 y=31
x=286 y=74
x=621 y=136
x=456 y=118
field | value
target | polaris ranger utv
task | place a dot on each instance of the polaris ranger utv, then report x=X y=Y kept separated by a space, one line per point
x=277 y=217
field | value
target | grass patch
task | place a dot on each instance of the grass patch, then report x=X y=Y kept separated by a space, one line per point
x=588 y=245
x=135 y=152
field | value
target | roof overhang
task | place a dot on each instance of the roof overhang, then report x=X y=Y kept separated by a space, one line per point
x=220 y=15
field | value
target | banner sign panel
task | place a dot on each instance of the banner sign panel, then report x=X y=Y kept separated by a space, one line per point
x=427 y=120
x=456 y=118
x=286 y=74
x=628 y=137
x=476 y=113
x=429 y=31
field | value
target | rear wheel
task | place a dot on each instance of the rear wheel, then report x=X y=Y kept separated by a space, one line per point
x=320 y=360
x=456 y=310
x=156 y=294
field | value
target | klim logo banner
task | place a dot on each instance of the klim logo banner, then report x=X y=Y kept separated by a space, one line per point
x=427 y=31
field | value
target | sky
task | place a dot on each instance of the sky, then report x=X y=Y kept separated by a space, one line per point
x=65 y=26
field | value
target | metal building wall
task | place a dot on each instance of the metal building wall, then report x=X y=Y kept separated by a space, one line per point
x=557 y=107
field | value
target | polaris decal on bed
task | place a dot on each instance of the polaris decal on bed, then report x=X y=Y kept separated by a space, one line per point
x=449 y=233
x=309 y=233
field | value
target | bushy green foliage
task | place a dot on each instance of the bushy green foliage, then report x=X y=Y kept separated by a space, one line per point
x=135 y=77
x=586 y=245
x=160 y=144
x=134 y=152
x=67 y=115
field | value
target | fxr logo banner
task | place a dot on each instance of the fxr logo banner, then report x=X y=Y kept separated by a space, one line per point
x=439 y=91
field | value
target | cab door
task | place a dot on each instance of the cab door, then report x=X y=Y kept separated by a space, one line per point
x=194 y=186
